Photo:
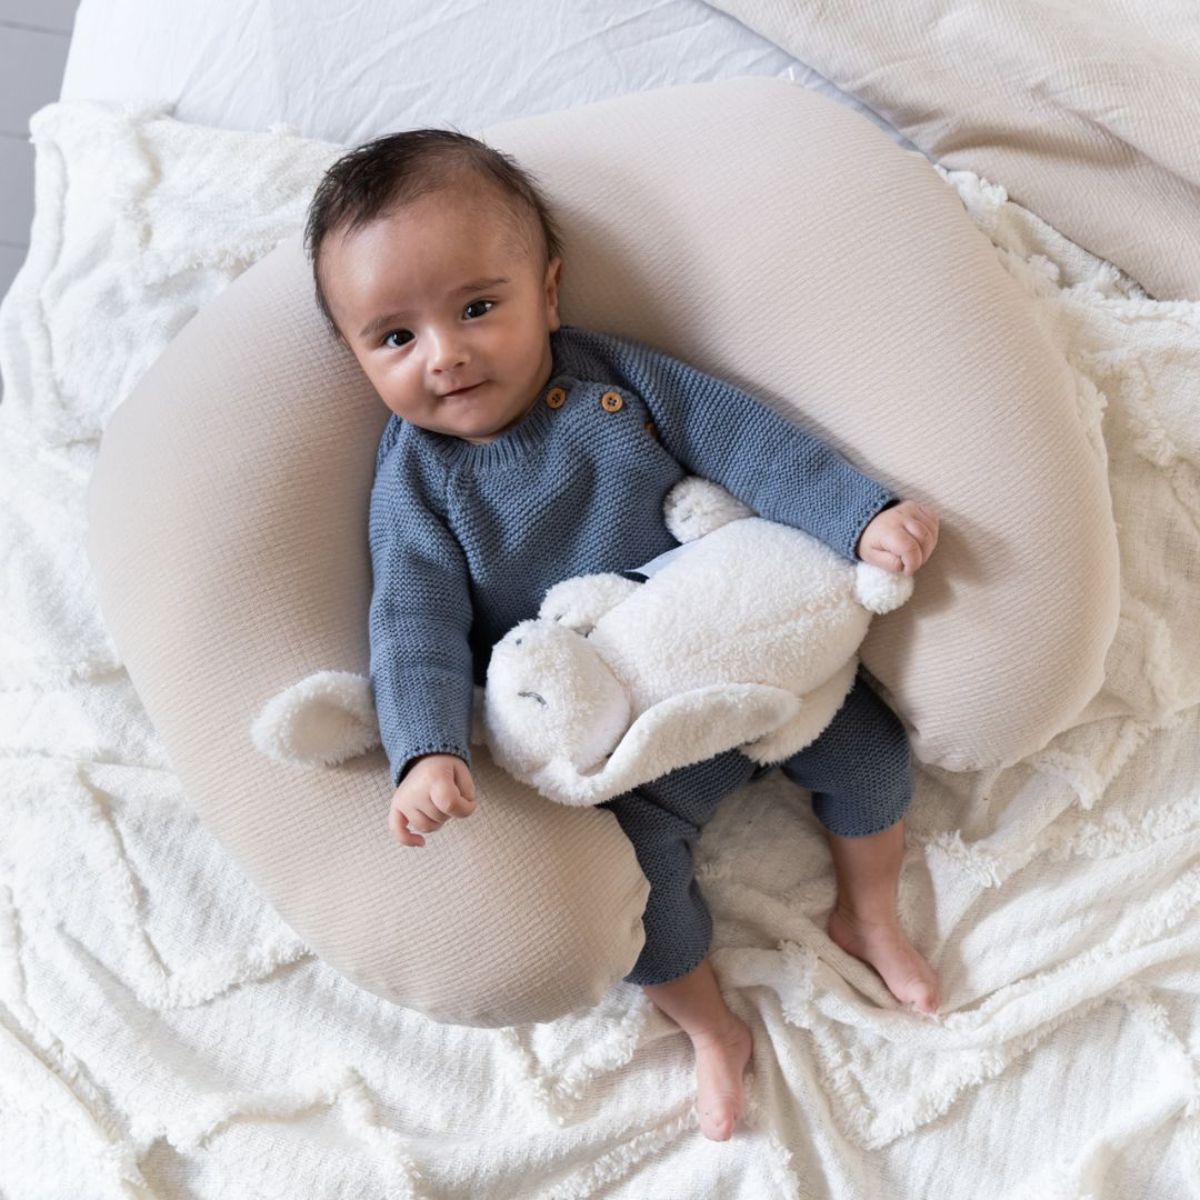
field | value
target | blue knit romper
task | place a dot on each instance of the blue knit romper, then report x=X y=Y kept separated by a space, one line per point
x=465 y=539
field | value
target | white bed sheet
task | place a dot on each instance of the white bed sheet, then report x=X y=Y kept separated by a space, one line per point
x=347 y=71
x=163 y=1034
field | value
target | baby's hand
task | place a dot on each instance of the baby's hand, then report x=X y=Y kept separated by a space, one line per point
x=900 y=538
x=436 y=788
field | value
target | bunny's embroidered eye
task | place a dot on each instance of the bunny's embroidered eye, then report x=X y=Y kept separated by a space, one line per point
x=535 y=696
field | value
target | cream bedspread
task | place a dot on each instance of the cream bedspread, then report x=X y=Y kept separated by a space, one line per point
x=1087 y=110
x=162 y=1033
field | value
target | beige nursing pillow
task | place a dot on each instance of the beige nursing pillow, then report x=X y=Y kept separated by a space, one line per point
x=767 y=235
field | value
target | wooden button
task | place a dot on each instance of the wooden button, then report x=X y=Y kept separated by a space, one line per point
x=556 y=397
x=611 y=401
x=651 y=429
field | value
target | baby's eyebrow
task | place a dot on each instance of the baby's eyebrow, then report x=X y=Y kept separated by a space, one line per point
x=475 y=285
x=481 y=285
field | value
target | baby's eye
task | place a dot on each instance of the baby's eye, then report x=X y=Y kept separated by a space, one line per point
x=476 y=303
x=404 y=333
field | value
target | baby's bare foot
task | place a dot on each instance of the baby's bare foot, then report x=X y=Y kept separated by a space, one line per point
x=884 y=945
x=721 y=1059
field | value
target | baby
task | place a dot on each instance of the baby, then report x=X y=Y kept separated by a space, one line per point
x=523 y=451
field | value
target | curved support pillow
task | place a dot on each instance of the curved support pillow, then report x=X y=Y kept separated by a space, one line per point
x=767 y=235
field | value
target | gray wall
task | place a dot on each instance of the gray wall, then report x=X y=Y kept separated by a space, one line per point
x=33 y=52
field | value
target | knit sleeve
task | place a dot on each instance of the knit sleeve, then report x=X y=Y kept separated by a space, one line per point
x=768 y=461
x=419 y=621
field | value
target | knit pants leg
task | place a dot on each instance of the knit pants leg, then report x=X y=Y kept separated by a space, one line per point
x=860 y=768
x=859 y=771
x=663 y=820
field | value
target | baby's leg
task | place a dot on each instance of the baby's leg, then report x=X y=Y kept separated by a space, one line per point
x=721 y=1041
x=663 y=820
x=860 y=774
x=864 y=921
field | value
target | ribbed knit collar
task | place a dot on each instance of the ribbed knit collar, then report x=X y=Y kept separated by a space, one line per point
x=513 y=445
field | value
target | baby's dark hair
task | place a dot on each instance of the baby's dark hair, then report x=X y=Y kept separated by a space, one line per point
x=380 y=176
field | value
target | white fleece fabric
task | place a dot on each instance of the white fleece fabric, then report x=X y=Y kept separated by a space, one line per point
x=163 y=1034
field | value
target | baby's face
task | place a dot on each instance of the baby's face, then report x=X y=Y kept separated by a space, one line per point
x=446 y=313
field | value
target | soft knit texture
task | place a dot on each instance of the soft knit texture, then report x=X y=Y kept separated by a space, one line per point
x=466 y=538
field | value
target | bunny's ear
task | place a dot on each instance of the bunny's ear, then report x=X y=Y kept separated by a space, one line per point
x=680 y=730
x=323 y=720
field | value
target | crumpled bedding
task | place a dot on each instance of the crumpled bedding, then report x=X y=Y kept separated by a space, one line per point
x=1085 y=110
x=162 y=1032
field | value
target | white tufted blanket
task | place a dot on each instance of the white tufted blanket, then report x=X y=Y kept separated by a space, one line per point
x=163 y=1033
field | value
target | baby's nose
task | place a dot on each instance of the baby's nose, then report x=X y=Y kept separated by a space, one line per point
x=447 y=353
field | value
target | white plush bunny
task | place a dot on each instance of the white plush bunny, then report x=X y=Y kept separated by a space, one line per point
x=743 y=636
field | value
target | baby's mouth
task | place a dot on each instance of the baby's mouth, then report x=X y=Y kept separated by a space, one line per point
x=462 y=391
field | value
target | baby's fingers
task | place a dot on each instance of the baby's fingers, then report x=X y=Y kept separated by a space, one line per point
x=398 y=824
x=449 y=800
x=907 y=551
x=465 y=780
x=923 y=525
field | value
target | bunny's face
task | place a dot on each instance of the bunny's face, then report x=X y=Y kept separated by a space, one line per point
x=548 y=696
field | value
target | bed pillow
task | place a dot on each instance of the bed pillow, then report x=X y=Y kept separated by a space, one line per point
x=767 y=235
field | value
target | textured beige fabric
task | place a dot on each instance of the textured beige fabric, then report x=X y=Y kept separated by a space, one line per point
x=227 y=529
x=761 y=232
x=1084 y=110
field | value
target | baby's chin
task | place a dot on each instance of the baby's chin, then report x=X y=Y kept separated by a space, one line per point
x=480 y=435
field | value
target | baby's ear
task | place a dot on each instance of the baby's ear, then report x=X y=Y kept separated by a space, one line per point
x=553 y=279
